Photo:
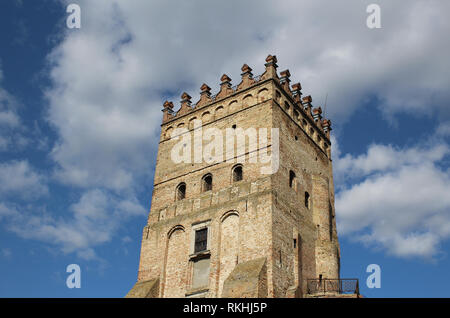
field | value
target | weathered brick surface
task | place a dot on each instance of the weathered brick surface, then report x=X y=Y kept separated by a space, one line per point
x=175 y=264
x=229 y=247
x=145 y=289
x=256 y=218
x=247 y=280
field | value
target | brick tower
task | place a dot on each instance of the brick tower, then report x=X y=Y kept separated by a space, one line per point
x=236 y=225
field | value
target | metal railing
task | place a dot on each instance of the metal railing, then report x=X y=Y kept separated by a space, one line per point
x=329 y=285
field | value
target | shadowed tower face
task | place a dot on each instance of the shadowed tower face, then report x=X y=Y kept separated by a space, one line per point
x=243 y=198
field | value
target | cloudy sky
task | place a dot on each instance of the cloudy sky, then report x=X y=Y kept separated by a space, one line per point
x=80 y=111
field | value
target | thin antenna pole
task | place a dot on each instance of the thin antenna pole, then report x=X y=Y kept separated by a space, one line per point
x=325 y=106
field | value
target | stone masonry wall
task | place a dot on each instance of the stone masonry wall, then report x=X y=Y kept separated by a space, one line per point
x=261 y=217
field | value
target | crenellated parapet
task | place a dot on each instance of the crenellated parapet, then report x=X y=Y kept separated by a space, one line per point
x=168 y=112
x=301 y=109
x=225 y=87
x=317 y=115
x=271 y=68
x=247 y=78
x=185 y=104
x=307 y=106
x=297 y=94
x=326 y=124
x=205 y=96
x=284 y=80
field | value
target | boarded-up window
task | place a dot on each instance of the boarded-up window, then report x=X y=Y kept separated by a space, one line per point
x=262 y=95
x=219 y=112
x=233 y=106
x=330 y=220
x=168 y=133
x=200 y=273
x=191 y=122
x=229 y=246
x=247 y=100
x=206 y=117
x=176 y=267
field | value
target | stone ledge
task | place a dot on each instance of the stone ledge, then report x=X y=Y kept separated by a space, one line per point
x=145 y=289
x=333 y=295
x=196 y=292
x=247 y=280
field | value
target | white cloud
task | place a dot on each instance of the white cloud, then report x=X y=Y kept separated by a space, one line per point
x=8 y=118
x=443 y=129
x=18 y=178
x=108 y=112
x=110 y=76
x=382 y=158
x=11 y=128
x=94 y=220
x=6 y=253
x=400 y=201
x=105 y=130
x=126 y=239
x=330 y=50
x=7 y=211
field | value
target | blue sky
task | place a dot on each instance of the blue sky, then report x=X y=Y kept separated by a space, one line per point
x=80 y=115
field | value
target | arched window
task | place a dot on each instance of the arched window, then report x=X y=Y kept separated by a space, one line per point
x=180 y=192
x=168 y=133
x=247 y=100
x=306 y=199
x=330 y=220
x=219 y=112
x=286 y=105
x=277 y=96
x=304 y=123
x=207 y=181
x=292 y=180
x=191 y=122
x=237 y=173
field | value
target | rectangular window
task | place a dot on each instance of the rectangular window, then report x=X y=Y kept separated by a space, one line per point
x=199 y=257
x=201 y=240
